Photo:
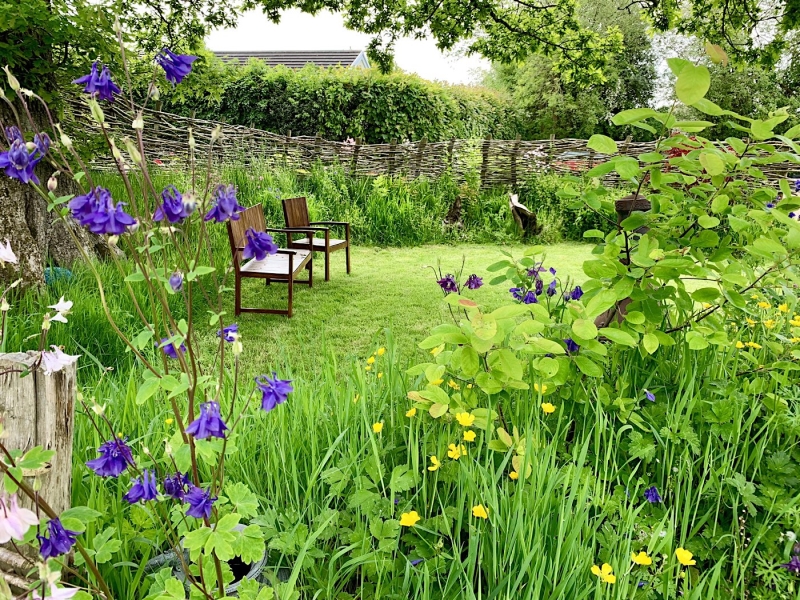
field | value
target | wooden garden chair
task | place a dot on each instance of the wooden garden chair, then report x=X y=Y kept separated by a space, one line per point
x=295 y=214
x=284 y=267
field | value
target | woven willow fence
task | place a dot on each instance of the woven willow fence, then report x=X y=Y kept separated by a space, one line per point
x=495 y=162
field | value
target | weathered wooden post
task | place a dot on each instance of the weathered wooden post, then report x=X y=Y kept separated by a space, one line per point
x=420 y=152
x=38 y=410
x=485 y=157
x=354 y=163
x=392 y=154
x=514 y=153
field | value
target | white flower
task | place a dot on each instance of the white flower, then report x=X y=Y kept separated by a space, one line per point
x=56 y=593
x=62 y=308
x=7 y=254
x=14 y=521
x=56 y=360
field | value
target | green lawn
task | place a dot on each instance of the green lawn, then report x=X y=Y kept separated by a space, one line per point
x=388 y=288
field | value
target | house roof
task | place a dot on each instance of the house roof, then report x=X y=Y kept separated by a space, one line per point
x=297 y=59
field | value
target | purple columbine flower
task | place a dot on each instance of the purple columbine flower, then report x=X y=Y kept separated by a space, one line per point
x=225 y=205
x=416 y=561
x=41 y=142
x=539 y=286
x=793 y=566
x=59 y=542
x=97 y=211
x=13 y=134
x=170 y=350
x=792 y=215
x=770 y=205
x=530 y=298
x=273 y=391
x=176 y=281
x=200 y=502
x=474 y=282
x=98 y=83
x=551 y=288
x=535 y=270
x=572 y=347
x=258 y=245
x=176 y=486
x=144 y=488
x=176 y=66
x=797 y=185
x=448 y=284
x=229 y=332
x=651 y=495
x=208 y=424
x=552 y=270
x=172 y=207
x=115 y=457
x=18 y=163
x=649 y=395
x=517 y=293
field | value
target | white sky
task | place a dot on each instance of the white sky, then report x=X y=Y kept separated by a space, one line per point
x=326 y=31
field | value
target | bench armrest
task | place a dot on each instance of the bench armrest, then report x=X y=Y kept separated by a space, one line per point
x=330 y=223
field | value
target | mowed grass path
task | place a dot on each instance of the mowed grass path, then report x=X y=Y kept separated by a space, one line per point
x=392 y=288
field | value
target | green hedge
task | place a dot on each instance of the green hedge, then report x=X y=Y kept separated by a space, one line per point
x=358 y=103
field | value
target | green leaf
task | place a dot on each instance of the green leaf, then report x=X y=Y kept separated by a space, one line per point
x=650 y=342
x=602 y=144
x=469 y=361
x=600 y=303
x=706 y=106
x=505 y=362
x=676 y=65
x=707 y=221
x=720 y=203
x=634 y=115
x=588 y=367
x=712 y=163
x=693 y=83
x=626 y=166
x=437 y=410
x=618 y=336
x=402 y=480
x=540 y=345
x=36 y=458
x=584 y=329
x=242 y=499
x=146 y=390
x=249 y=544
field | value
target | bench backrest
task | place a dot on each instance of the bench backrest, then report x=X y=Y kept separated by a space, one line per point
x=249 y=217
x=295 y=212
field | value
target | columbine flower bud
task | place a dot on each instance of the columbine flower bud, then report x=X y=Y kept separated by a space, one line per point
x=66 y=141
x=30 y=146
x=153 y=92
x=115 y=151
x=52 y=183
x=112 y=240
x=37 y=484
x=192 y=143
x=99 y=409
x=12 y=81
x=135 y=227
x=138 y=122
x=132 y=150
x=117 y=26
x=96 y=112
x=15 y=284
x=216 y=133
x=46 y=322
x=237 y=347
x=189 y=202
x=4 y=305
x=167 y=447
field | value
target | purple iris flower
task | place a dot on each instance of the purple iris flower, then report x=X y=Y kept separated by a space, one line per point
x=208 y=424
x=651 y=495
x=551 y=288
x=474 y=282
x=175 y=486
x=258 y=245
x=273 y=391
x=530 y=298
x=572 y=347
x=225 y=205
x=176 y=281
x=170 y=350
x=115 y=457
x=448 y=284
x=576 y=294
x=176 y=66
x=98 y=83
x=172 y=207
x=200 y=502
x=143 y=488
x=649 y=395
x=229 y=332
x=18 y=163
x=517 y=293
x=97 y=211
x=793 y=566
x=59 y=542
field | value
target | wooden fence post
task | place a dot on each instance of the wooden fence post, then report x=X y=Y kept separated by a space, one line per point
x=551 y=151
x=450 y=148
x=354 y=164
x=38 y=410
x=514 y=152
x=485 y=158
x=286 y=142
x=418 y=160
x=392 y=151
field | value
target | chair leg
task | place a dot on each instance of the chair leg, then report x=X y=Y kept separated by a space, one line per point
x=237 y=303
x=291 y=293
x=347 y=253
x=327 y=266
x=311 y=273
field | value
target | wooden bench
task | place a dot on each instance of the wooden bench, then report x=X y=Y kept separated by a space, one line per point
x=283 y=267
x=295 y=215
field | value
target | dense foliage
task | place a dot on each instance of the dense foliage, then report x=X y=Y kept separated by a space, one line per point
x=355 y=103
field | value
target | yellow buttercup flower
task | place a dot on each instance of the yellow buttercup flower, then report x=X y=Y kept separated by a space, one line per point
x=641 y=559
x=784 y=308
x=437 y=382
x=769 y=323
x=377 y=427
x=685 y=557
x=168 y=421
x=540 y=388
x=380 y=375
x=753 y=345
x=456 y=452
x=755 y=296
x=706 y=305
x=605 y=573
x=465 y=419
x=435 y=464
x=381 y=351
x=548 y=408
x=454 y=385
x=739 y=344
x=480 y=512
x=469 y=386
x=370 y=360
x=763 y=305
x=750 y=321
x=795 y=322
x=368 y=368
x=794 y=340
x=436 y=351
x=409 y=519
x=411 y=412
x=514 y=475
x=355 y=398
x=469 y=435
